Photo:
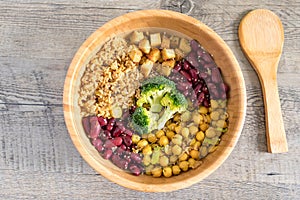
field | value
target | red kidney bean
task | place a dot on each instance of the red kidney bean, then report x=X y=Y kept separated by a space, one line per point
x=128 y=132
x=194 y=45
x=224 y=87
x=119 y=151
x=203 y=75
x=109 y=144
x=123 y=146
x=98 y=144
x=127 y=140
x=94 y=129
x=117 y=141
x=86 y=124
x=214 y=93
x=135 y=170
x=200 y=52
x=207 y=58
x=123 y=164
x=205 y=89
x=186 y=75
x=209 y=65
x=177 y=67
x=202 y=63
x=206 y=103
x=198 y=88
x=109 y=127
x=215 y=75
x=116 y=132
x=136 y=157
x=186 y=65
x=200 y=97
x=111 y=121
x=192 y=59
x=102 y=121
x=107 y=154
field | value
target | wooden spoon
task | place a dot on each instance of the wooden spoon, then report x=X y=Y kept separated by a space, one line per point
x=261 y=36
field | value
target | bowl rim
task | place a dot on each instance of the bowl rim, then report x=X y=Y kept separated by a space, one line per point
x=68 y=107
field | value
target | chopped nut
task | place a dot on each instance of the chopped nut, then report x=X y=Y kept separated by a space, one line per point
x=174 y=41
x=146 y=68
x=165 y=43
x=135 y=55
x=184 y=45
x=169 y=63
x=136 y=36
x=168 y=54
x=144 y=45
x=154 y=55
x=155 y=39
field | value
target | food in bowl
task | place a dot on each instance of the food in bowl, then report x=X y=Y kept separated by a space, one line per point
x=153 y=102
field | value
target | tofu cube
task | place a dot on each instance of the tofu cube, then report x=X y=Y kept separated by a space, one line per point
x=184 y=45
x=169 y=63
x=168 y=54
x=163 y=70
x=165 y=42
x=174 y=42
x=135 y=55
x=179 y=54
x=154 y=55
x=146 y=68
x=145 y=46
x=155 y=40
x=136 y=36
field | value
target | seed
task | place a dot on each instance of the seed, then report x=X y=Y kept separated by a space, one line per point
x=163 y=141
x=167 y=171
x=194 y=154
x=142 y=143
x=204 y=127
x=164 y=161
x=176 y=150
x=183 y=157
x=203 y=110
x=135 y=138
x=185 y=132
x=200 y=136
x=196 y=145
x=191 y=162
x=173 y=159
x=214 y=115
x=147 y=150
x=177 y=139
x=210 y=132
x=193 y=142
x=197 y=118
x=178 y=129
x=156 y=172
x=186 y=116
x=146 y=160
x=170 y=134
x=152 y=138
x=193 y=129
x=221 y=123
x=184 y=165
x=176 y=169
x=159 y=133
x=172 y=126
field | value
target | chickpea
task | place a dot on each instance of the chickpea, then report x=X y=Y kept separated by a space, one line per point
x=214 y=115
x=177 y=117
x=135 y=138
x=178 y=129
x=191 y=162
x=164 y=161
x=222 y=103
x=167 y=171
x=212 y=149
x=193 y=129
x=186 y=116
x=170 y=134
x=214 y=104
x=168 y=150
x=156 y=172
x=148 y=169
x=203 y=110
x=146 y=160
x=159 y=133
x=172 y=126
x=204 y=127
x=185 y=132
x=142 y=143
x=183 y=157
x=147 y=150
x=200 y=136
x=221 y=123
x=176 y=169
x=194 y=154
x=196 y=145
x=173 y=159
x=193 y=142
x=207 y=119
x=177 y=139
x=203 y=151
x=163 y=141
x=184 y=165
x=152 y=138
x=197 y=118
x=210 y=132
x=176 y=150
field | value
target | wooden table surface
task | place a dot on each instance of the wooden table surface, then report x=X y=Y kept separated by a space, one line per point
x=38 y=160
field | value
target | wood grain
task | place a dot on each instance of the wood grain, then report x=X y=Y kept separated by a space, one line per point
x=41 y=37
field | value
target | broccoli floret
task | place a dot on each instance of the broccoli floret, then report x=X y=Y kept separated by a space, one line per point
x=152 y=91
x=173 y=102
x=143 y=120
x=159 y=97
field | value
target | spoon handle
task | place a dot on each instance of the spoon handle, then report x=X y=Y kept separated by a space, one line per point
x=276 y=138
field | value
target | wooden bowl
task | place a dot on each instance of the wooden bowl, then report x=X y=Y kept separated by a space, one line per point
x=211 y=42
